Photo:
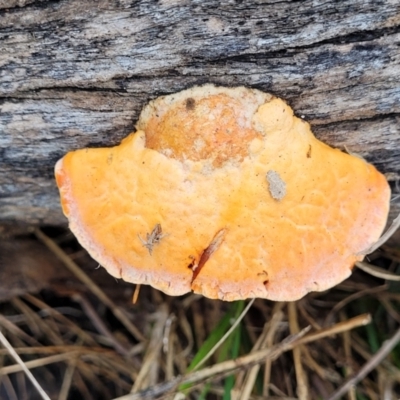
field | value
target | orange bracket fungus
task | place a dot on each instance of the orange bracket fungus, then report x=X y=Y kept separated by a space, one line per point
x=226 y=193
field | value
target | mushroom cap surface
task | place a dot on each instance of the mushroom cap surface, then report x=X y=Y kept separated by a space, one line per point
x=224 y=192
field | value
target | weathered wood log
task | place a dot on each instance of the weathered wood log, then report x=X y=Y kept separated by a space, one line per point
x=76 y=74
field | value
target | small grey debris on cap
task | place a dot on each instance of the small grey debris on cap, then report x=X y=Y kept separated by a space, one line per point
x=277 y=187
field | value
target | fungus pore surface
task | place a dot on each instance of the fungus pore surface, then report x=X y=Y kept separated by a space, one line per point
x=226 y=193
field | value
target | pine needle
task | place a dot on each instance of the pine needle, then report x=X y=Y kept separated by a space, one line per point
x=18 y=359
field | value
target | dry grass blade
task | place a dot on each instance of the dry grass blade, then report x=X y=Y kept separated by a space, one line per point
x=136 y=294
x=67 y=380
x=301 y=377
x=40 y=362
x=385 y=237
x=168 y=340
x=144 y=377
x=222 y=340
x=59 y=349
x=61 y=319
x=18 y=359
x=12 y=395
x=74 y=268
x=277 y=317
x=227 y=367
x=264 y=341
x=352 y=297
x=348 y=370
x=368 y=367
x=15 y=330
x=377 y=272
x=99 y=324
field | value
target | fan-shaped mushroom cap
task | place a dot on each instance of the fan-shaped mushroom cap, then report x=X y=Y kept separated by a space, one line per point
x=225 y=193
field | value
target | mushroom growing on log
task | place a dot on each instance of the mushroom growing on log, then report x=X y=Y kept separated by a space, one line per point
x=224 y=192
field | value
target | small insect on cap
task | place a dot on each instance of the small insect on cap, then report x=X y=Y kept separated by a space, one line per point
x=225 y=193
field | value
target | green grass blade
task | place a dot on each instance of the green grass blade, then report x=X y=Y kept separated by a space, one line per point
x=214 y=337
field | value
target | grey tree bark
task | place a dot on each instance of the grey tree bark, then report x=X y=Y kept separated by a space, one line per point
x=77 y=73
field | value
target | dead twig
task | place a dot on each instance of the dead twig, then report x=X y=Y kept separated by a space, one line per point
x=375 y=360
x=227 y=367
